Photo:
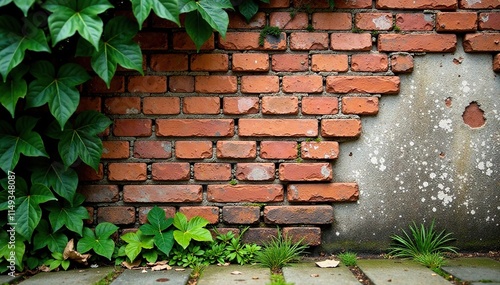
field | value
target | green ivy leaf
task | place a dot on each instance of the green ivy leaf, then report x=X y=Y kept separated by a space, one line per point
x=136 y=242
x=22 y=140
x=248 y=8
x=63 y=180
x=194 y=229
x=102 y=244
x=28 y=211
x=58 y=90
x=5 y=249
x=214 y=14
x=197 y=28
x=79 y=16
x=14 y=41
x=186 y=6
x=156 y=218
x=116 y=47
x=150 y=255
x=14 y=88
x=24 y=5
x=45 y=237
x=69 y=215
x=80 y=139
x=166 y=9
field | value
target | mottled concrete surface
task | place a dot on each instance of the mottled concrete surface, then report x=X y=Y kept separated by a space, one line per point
x=417 y=160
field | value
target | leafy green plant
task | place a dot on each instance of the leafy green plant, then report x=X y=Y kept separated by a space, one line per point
x=348 y=258
x=248 y=8
x=188 y=257
x=57 y=260
x=99 y=241
x=157 y=226
x=432 y=260
x=268 y=31
x=278 y=279
x=423 y=240
x=280 y=251
x=136 y=243
x=194 y=229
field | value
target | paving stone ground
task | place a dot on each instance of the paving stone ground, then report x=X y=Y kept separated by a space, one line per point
x=134 y=277
x=84 y=276
x=310 y=274
x=476 y=270
x=224 y=275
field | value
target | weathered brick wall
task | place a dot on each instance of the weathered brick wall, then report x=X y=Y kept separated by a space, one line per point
x=243 y=134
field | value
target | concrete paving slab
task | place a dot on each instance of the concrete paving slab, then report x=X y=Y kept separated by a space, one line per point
x=170 y=277
x=221 y=275
x=310 y=274
x=474 y=269
x=6 y=279
x=403 y=272
x=81 y=277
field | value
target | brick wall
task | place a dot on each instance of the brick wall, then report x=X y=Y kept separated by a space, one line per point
x=243 y=134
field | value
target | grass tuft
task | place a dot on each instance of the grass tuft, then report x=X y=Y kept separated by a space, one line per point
x=348 y=258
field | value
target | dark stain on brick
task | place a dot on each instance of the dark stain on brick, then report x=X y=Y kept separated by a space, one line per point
x=473 y=116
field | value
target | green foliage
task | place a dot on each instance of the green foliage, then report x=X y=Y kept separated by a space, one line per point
x=56 y=261
x=187 y=257
x=432 y=260
x=268 y=31
x=136 y=242
x=278 y=279
x=248 y=8
x=348 y=258
x=99 y=241
x=423 y=240
x=166 y=9
x=157 y=226
x=193 y=229
x=280 y=251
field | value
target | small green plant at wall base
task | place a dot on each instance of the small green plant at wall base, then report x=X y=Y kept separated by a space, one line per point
x=278 y=279
x=268 y=31
x=348 y=258
x=431 y=260
x=233 y=182
x=423 y=240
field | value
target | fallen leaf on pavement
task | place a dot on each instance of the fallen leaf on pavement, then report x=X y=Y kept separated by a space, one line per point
x=236 y=273
x=161 y=267
x=328 y=263
x=314 y=275
x=131 y=265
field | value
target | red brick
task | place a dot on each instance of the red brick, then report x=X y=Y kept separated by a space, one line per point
x=181 y=83
x=89 y=103
x=340 y=127
x=237 y=21
x=127 y=171
x=245 y=193
x=201 y=105
x=306 y=235
x=349 y=4
x=241 y=105
x=278 y=150
x=374 y=21
x=276 y=4
x=147 y=84
x=212 y=171
x=415 y=22
x=193 y=149
x=489 y=21
x=309 y=41
x=236 y=149
x=301 y=4
x=303 y=83
x=287 y=215
x=329 y=192
x=260 y=84
x=195 y=127
x=369 y=62
x=320 y=105
x=319 y=150
x=182 y=41
x=482 y=42
x=169 y=62
x=97 y=85
x=401 y=63
x=417 y=42
x=100 y=193
x=255 y=171
x=496 y=63
x=332 y=21
x=329 y=62
x=423 y=4
x=363 y=84
x=152 y=149
x=143 y=213
x=241 y=214
x=87 y=173
x=209 y=62
x=284 y=20
x=132 y=127
x=351 y=41
x=483 y=4
x=116 y=215
x=162 y=193
x=115 y=149
x=456 y=22
x=305 y=172
x=259 y=236
x=171 y=171
x=250 y=41
x=290 y=62
x=360 y=105
x=161 y=106
x=278 y=127
x=250 y=62
x=215 y=84
x=280 y=105
x=211 y=214
x=122 y=105
x=90 y=220
x=152 y=40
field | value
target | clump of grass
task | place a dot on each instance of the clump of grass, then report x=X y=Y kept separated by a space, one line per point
x=348 y=258
x=280 y=251
x=432 y=260
x=278 y=279
x=422 y=241
x=268 y=30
